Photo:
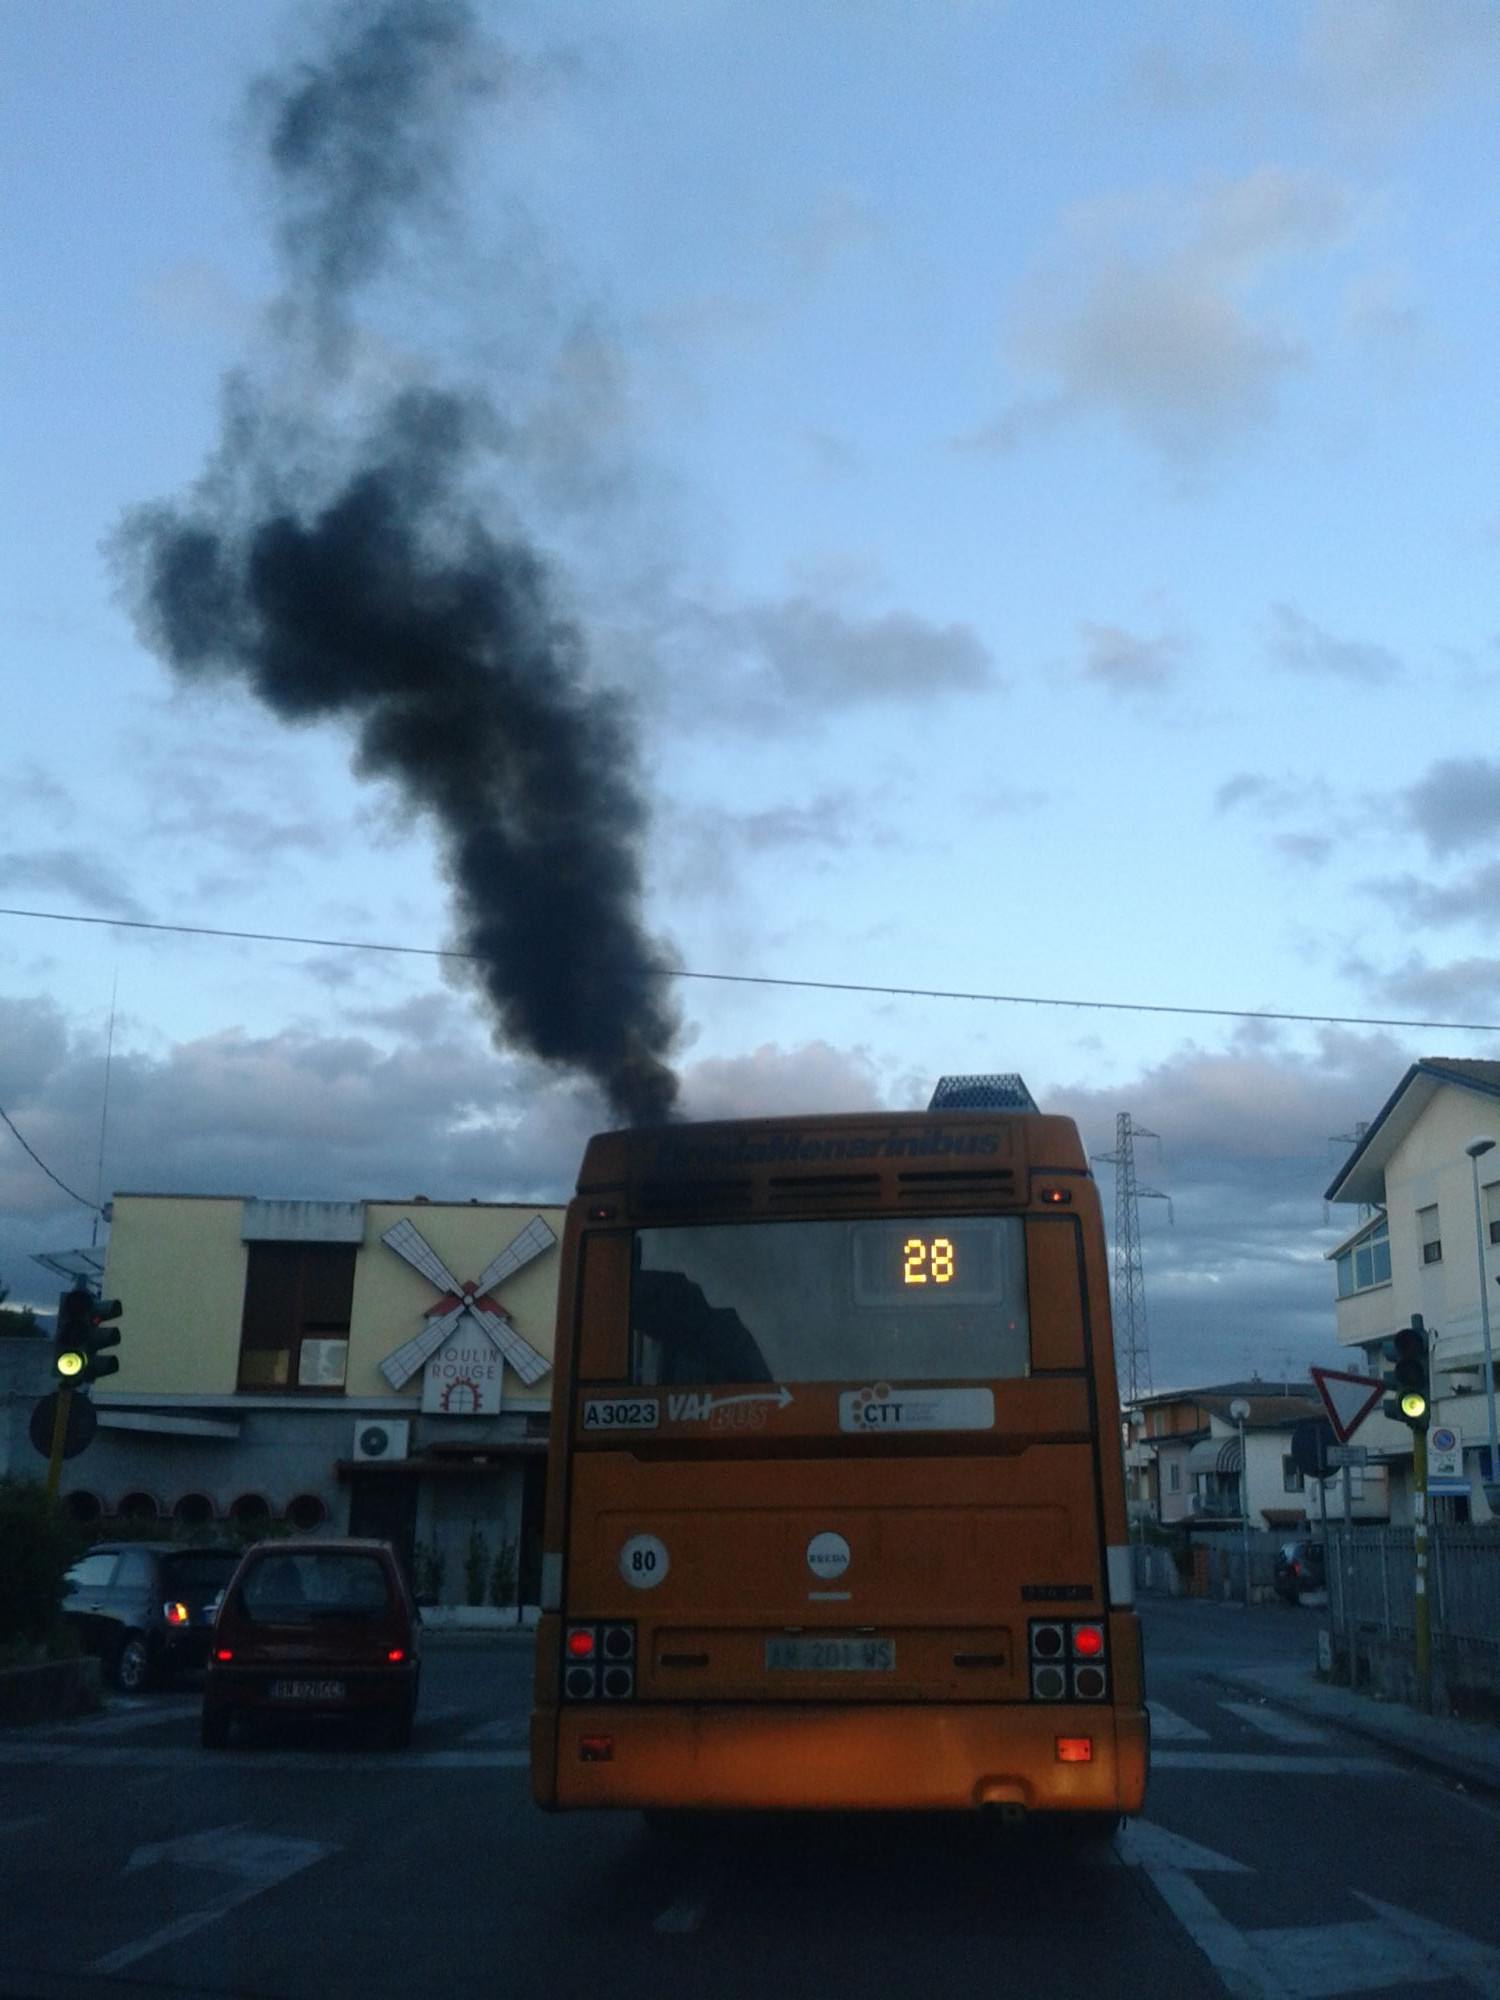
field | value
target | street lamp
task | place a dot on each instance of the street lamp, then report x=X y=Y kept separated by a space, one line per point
x=1476 y=1150
x=1239 y=1409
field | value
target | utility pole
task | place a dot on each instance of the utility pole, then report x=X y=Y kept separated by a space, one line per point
x=1132 y=1339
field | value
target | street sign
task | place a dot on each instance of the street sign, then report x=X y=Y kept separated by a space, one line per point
x=1348 y=1399
x=1350 y=1454
x=83 y=1421
x=1445 y=1463
x=1312 y=1439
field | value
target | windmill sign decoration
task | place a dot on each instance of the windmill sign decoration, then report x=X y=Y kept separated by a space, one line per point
x=467 y=1337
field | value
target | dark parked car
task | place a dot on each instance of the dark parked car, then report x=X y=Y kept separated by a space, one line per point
x=146 y=1608
x=323 y=1625
x=1299 y=1567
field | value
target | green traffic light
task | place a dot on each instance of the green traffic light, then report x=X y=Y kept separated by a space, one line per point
x=1413 y=1406
x=70 y=1363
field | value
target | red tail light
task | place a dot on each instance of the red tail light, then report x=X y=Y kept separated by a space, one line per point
x=175 y=1614
x=396 y=1654
x=581 y=1643
x=1088 y=1641
x=223 y=1653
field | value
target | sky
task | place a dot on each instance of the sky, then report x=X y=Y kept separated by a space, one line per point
x=1018 y=478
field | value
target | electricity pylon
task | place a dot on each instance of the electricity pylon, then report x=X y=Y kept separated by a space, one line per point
x=1132 y=1340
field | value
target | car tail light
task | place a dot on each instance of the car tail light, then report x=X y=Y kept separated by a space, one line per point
x=175 y=1613
x=1068 y=1658
x=599 y=1662
x=1075 y=1749
x=222 y=1653
x=396 y=1654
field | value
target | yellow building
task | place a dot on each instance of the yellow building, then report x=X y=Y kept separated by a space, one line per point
x=378 y=1367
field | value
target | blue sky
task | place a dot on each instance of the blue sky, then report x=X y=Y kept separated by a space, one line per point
x=1030 y=471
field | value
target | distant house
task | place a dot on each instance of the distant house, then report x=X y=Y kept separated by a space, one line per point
x=1426 y=1178
x=1183 y=1447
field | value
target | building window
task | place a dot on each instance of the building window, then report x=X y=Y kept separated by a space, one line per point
x=307 y=1512
x=1291 y=1474
x=1367 y=1261
x=250 y=1508
x=1174 y=1477
x=194 y=1510
x=82 y=1506
x=1432 y=1242
x=1492 y=1210
x=138 y=1507
x=295 y=1333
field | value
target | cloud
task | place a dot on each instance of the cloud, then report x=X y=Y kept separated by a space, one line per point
x=1464 y=987
x=1306 y=648
x=1153 y=313
x=1384 y=62
x=1457 y=804
x=769 y=1080
x=1271 y=798
x=71 y=870
x=805 y=654
x=1310 y=849
x=1427 y=905
x=1126 y=665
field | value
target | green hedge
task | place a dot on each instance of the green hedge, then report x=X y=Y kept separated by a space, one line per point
x=36 y=1546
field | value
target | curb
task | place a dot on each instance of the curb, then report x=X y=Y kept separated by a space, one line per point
x=1429 y=1756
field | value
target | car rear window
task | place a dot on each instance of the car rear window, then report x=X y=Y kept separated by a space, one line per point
x=202 y=1569
x=294 y=1589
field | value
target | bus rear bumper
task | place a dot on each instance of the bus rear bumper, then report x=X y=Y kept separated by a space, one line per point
x=861 y=1757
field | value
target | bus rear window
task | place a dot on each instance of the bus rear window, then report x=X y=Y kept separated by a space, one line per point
x=901 y=1299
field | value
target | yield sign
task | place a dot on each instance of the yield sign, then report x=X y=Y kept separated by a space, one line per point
x=1348 y=1399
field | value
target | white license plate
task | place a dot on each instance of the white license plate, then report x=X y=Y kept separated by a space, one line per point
x=307 y=1690
x=836 y=1656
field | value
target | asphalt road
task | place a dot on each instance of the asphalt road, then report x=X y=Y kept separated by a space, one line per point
x=1276 y=1857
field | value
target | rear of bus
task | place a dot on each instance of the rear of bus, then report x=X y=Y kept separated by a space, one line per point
x=835 y=1511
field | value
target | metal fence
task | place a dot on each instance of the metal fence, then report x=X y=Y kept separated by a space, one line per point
x=1211 y=1565
x=1372 y=1593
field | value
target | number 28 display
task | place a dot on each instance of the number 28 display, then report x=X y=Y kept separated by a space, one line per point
x=949 y=1260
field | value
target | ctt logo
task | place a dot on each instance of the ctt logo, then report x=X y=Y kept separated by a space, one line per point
x=874 y=1407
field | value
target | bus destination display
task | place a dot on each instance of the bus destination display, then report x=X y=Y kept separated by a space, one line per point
x=948 y=1262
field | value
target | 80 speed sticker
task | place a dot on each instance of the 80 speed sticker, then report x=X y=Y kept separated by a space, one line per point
x=644 y=1562
x=621 y=1413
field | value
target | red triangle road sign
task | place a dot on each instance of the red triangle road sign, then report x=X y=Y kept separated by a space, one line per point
x=1348 y=1399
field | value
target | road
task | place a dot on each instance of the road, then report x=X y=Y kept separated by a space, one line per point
x=1276 y=1857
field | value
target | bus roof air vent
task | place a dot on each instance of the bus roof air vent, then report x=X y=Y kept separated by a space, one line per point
x=982 y=1093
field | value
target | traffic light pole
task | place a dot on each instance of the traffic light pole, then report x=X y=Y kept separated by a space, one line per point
x=59 y=1438
x=1422 y=1617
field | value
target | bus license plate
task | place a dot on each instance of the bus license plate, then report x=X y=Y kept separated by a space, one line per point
x=307 y=1690
x=837 y=1656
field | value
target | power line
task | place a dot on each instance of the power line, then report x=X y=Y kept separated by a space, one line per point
x=83 y=1198
x=803 y=985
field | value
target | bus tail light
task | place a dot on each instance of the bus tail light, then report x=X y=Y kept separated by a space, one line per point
x=599 y=1662
x=1068 y=1658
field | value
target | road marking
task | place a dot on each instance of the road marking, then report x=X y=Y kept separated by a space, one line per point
x=260 y=1861
x=1271 y=1722
x=1227 y=1950
x=504 y=1729
x=679 y=1918
x=138 y=1715
x=1144 y=1844
x=1167 y=1726
x=1268 y=1764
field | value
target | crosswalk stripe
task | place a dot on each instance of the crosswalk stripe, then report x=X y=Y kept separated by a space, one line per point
x=1167 y=1726
x=1266 y=1763
x=1271 y=1722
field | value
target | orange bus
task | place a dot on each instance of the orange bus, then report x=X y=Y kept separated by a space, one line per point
x=835 y=1507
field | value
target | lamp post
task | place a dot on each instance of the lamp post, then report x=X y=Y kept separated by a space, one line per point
x=1239 y=1409
x=1476 y=1150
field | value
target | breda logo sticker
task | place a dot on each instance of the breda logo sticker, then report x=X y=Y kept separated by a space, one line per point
x=828 y=1555
x=644 y=1562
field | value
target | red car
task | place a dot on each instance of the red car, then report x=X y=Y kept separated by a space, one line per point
x=321 y=1625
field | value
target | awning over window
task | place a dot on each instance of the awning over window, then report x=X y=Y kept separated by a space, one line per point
x=1214 y=1455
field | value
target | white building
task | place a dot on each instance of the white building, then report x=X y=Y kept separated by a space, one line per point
x=1425 y=1244
x=1186 y=1446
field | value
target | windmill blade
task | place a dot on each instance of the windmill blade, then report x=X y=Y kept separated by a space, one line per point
x=520 y=1353
x=532 y=1241
x=398 y=1368
x=407 y=1241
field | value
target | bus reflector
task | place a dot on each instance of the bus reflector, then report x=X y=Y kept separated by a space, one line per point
x=580 y=1643
x=1056 y=1194
x=1088 y=1641
x=1075 y=1749
x=596 y=1749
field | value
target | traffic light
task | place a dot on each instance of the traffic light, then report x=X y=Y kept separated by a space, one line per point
x=1407 y=1378
x=82 y=1336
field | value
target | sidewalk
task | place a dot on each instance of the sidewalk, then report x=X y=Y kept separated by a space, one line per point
x=1467 y=1751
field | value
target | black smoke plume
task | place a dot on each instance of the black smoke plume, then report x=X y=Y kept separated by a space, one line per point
x=366 y=581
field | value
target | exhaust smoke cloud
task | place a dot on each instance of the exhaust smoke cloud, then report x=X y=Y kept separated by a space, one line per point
x=350 y=571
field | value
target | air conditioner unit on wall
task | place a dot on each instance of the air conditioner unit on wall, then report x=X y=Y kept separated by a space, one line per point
x=382 y=1437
